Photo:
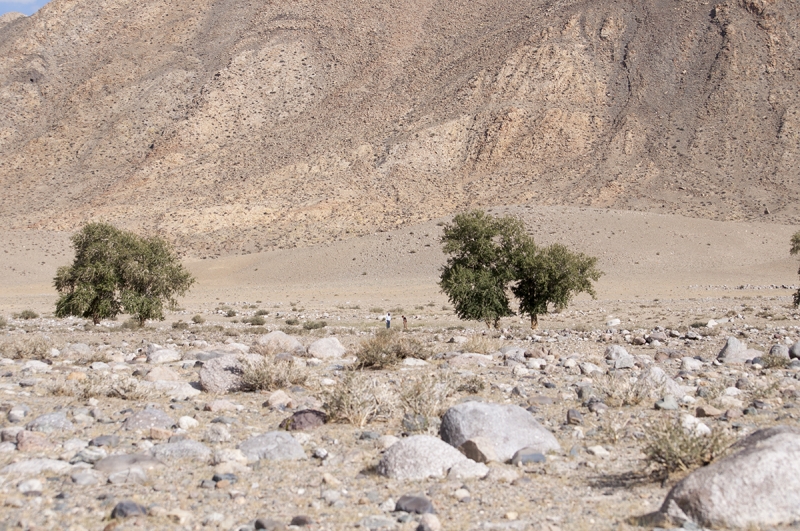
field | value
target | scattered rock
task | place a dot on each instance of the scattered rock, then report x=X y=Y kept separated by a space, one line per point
x=147 y=418
x=123 y=462
x=507 y=426
x=414 y=504
x=185 y=449
x=479 y=449
x=35 y=467
x=51 y=422
x=125 y=509
x=419 y=457
x=526 y=456
x=278 y=341
x=304 y=420
x=224 y=374
x=326 y=348
x=164 y=355
x=273 y=446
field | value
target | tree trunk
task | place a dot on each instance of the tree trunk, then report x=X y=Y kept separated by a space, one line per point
x=534 y=321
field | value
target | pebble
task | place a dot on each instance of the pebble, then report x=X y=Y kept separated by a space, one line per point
x=125 y=509
x=269 y=525
x=574 y=417
x=414 y=504
x=668 y=403
x=30 y=487
x=429 y=522
x=598 y=451
x=526 y=456
x=301 y=521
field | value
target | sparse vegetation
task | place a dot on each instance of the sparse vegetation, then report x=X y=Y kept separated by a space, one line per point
x=481 y=344
x=26 y=315
x=357 y=398
x=268 y=374
x=376 y=310
x=3 y=322
x=793 y=250
x=670 y=447
x=180 y=325
x=198 y=319
x=429 y=394
x=386 y=349
x=623 y=390
x=26 y=347
x=261 y=313
x=314 y=325
x=98 y=385
x=292 y=321
x=256 y=320
x=230 y=313
x=771 y=361
x=131 y=324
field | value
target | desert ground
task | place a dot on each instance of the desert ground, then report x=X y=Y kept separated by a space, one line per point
x=664 y=274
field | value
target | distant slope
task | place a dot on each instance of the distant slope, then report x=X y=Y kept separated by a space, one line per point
x=236 y=126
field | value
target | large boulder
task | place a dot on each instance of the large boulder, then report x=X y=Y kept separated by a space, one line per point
x=224 y=374
x=757 y=487
x=278 y=341
x=736 y=351
x=419 y=457
x=507 y=426
x=326 y=348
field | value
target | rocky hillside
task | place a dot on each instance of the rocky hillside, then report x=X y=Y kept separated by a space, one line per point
x=235 y=126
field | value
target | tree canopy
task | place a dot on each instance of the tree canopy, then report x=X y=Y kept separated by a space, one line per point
x=116 y=271
x=490 y=257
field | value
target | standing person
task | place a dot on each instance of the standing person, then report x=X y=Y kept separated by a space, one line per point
x=388 y=320
x=405 y=323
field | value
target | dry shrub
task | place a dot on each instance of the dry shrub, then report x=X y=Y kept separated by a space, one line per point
x=481 y=344
x=27 y=314
x=26 y=347
x=268 y=374
x=358 y=399
x=670 y=447
x=93 y=357
x=771 y=361
x=99 y=385
x=314 y=325
x=131 y=324
x=386 y=349
x=198 y=319
x=431 y=394
x=623 y=390
x=3 y=322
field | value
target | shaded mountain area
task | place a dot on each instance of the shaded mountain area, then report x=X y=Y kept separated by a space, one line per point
x=234 y=126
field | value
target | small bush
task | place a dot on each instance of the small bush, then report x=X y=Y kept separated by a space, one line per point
x=131 y=324
x=314 y=325
x=472 y=385
x=429 y=395
x=292 y=321
x=26 y=347
x=27 y=314
x=358 y=399
x=3 y=322
x=397 y=310
x=376 y=310
x=670 y=447
x=771 y=361
x=262 y=312
x=256 y=320
x=258 y=330
x=198 y=319
x=268 y=374
x=93 y=357
x=481 y=344
x=230 y=332
x=419 y=307
x=95 y=386
x=386 y=349
x=623 y=390
x=230 y=313
x=180 y=325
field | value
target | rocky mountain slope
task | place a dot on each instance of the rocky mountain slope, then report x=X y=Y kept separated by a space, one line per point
x=235 y=126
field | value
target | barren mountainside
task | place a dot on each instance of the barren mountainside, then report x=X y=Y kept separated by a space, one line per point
x=234 y=126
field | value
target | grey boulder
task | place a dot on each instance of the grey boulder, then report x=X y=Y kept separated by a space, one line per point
x=147 y=418
x=185 y=449
x=508 y=427
x=123 y=462
x=50 y=422
x=224 y=374
x=326 y=348
x=419 y=457
x=736 y=351
x=278 y=341
x=757 y=487
x=273 y=446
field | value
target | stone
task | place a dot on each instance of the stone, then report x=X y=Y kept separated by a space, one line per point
x=159 y=374
x=377 y=522
x=574 y=417
x=429 y=522
x=734 y=351
x=418 y=457
x=708 y=411
x=220 y=405
x=164 y=355
x=77 y=376
x=781 y=351
x=526 y=456
x=668 y=403
x=91 y=455
x=590 y=368
x=147 y=418
x=160 y=434
x=301 y=521
x=224 y=374
x=758 y=486
x=269 y=525
x=306 y=419
x=598 y=451
x=502 y=474
x=10 y=434
x=187 y=423
x=386 y=441
x=35 y=467
x=326 y=348
x=30 y=442
x=479 y=449
x=30 y=487
x=613 y=352
x=794 y=350
x=508 y=426
x=123 y=462
x=691 y=364
x=278 y=399
x=655 y=381
x=217 y=433
x=624 y=361
x=278 y=341
x=184 y=449
x=85 y=478
x=105 y=440
x=131 y=476
x=272 y=446
x=51 y=422
x=414 y=504
x=467 y=469
x=126 y=509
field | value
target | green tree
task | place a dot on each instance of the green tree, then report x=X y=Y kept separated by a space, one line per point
x=795 y=249
x=116 y=271
x=552 y=275
x=480 y=265
x=490 y=257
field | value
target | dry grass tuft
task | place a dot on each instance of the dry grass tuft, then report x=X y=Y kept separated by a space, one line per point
x=269 y=374
x=101 y=386
x=771 y=361
x=670 y=447
x=429 y=394
x=386 y=349
x=623 y=390
x=26 y=347
x=358 y=398
x=481 y=344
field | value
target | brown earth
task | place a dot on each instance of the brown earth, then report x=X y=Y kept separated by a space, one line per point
x=235 y=127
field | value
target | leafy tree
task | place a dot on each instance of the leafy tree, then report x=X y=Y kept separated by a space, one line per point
x=480 y=266
x=795 y=249
x=116 y=271
x=491 y=256
x=553 y=275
